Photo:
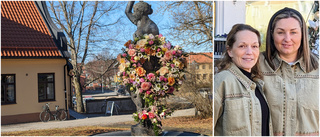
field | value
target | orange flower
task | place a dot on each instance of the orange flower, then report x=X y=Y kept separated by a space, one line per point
x=140 y=71
x=148 y=51
x=132 y=76
x=127 y=43
x=171 y=81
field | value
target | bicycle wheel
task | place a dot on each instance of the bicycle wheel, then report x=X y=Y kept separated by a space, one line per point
x=61 y=114
x=44 y=116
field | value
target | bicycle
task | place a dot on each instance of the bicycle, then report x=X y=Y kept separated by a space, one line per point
x=46 y=114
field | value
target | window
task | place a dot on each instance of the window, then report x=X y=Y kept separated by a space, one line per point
x=204 y=76
x=46 y=91
x=204 y=66
x=197 y=66
x=8 y=89
x=198 y=76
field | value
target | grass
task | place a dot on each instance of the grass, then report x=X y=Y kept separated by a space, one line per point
x=189 y=124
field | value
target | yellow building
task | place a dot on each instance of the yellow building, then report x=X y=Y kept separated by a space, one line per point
x=200 y=66
x=34 y=62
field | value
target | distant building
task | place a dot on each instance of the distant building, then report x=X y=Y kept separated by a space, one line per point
x=200 y=66
x=34 y=62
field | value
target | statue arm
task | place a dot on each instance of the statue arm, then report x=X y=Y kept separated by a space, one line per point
x=129 y=12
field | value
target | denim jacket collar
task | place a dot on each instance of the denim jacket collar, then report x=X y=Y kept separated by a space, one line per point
x=277 y=61
x=244 y=80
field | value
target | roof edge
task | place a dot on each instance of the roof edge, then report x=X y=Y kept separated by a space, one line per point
x=57 y=35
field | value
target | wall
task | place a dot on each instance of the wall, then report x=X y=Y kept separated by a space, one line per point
x=228 y=13
x=26 y=71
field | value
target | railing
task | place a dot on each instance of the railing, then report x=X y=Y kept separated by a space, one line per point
x=219 y=47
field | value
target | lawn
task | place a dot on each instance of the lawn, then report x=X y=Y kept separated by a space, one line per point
x=189 y=123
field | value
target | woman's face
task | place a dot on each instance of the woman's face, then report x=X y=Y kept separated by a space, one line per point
x=245 y=50
x=287 y=38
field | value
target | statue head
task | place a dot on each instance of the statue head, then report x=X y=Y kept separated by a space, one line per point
x=142 y=9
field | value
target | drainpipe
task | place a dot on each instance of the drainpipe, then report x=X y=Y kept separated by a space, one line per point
x=65 y=85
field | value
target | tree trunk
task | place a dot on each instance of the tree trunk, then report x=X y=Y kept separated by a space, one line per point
x=77 y=89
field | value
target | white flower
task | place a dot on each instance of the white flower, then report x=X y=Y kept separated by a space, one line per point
x=165 y=87
x=158 y=79
x=119 y=73
x=128 y=64
x=140 y=55
x=133 y=72
x=153 y=47
x=159 y=55
x=156 y=88
x=176 y=47
x=138 y=80
x=151 y=36
x=158 y=85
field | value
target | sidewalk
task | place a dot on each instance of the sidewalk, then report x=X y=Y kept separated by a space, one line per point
x=95 y=121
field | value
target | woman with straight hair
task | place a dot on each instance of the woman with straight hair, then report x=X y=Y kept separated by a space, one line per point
x=240 y=108
x=291 y=76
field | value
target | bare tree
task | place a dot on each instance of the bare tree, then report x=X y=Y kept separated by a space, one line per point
x=102 y=68
x=82 y=22
x=192 y=22
x=198 y=92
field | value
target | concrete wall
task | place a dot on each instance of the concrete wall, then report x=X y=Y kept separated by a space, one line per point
x=26 y=72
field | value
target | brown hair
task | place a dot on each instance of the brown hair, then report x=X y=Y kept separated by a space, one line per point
x=309 y=59
x=231 y=39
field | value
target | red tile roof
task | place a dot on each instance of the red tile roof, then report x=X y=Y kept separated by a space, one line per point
x=24 y=32
x=199 y=58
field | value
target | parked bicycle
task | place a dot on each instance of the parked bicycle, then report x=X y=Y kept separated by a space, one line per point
x=46 y=114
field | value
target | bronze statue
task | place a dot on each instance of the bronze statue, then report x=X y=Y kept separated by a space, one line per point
x=145 y=25
x=140 y=18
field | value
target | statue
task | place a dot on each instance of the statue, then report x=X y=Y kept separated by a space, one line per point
x=140 y=18
x=145 y=25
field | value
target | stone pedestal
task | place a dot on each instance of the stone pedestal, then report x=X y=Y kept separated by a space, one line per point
x=140 y=130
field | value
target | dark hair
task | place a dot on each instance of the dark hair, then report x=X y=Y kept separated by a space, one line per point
x=231 y=38
x=310 y=60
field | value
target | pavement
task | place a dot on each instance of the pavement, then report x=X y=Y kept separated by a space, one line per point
x=91 y=121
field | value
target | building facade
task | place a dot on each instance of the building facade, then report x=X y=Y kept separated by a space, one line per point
x=34 y=62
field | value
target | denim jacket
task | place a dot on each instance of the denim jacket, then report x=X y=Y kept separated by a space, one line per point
x=293 y=97
x=237 y=110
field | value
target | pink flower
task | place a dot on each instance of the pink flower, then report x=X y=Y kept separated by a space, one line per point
x=140 y=90
x=151 y=115
x=141 y=80
x=151 y=42
x=148 y=92
x=131 y=46
x=124 y=55
x=160 y=35
x=168 y=55
x=142 y=50
x=151 y=76
x=173 y=52
x=165 y=79
x=162 y=78
x=132 y=52
x=172 y=65
x=145 y=86
x=158 y=50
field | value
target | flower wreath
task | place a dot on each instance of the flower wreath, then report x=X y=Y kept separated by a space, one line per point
x=154 y=86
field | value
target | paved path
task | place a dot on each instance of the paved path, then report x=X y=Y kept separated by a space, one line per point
x=95 y=121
